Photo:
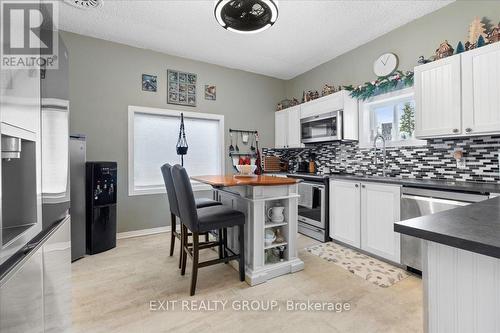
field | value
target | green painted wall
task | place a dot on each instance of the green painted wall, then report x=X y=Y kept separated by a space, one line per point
x=105 y=78
x=420 y=37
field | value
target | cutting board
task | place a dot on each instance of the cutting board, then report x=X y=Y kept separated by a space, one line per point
x=272 y=164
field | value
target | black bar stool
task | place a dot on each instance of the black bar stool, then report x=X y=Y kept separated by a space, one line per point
x=174 y=209
x=203 y=220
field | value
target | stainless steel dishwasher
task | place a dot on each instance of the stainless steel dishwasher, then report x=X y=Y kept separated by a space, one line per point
x=416 y=202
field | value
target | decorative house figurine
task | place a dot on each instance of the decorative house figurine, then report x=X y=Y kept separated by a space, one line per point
x=310 y=95
x=494 y=34
x=421 y=60
x=295 y=102
x=284 y=104
x=444 y=50
x=327 y=90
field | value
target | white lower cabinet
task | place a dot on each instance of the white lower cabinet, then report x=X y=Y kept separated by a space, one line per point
x=362 y=215
x=345 y=212
x=380 y=208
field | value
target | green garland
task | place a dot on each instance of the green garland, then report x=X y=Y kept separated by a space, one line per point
x=382 y=85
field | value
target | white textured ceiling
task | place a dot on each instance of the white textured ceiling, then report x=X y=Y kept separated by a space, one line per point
x=307 y=33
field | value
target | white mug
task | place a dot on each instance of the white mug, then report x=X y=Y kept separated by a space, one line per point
x=275 y=214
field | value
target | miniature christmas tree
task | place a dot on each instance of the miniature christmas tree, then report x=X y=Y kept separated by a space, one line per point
x=480 y=41
x=460 y=48
x=407 y=122
x=476 y=29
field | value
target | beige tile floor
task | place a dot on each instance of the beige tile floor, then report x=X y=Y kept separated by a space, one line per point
x=112 y=293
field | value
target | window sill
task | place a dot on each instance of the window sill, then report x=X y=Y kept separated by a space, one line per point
x=161 y=190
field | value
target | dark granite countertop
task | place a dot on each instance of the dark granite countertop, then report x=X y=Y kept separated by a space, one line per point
x=474 y=228
x=462 y=186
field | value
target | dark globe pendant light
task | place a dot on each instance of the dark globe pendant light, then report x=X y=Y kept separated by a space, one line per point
x=246 y=16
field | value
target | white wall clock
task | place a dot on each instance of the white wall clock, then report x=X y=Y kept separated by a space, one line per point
x=386 y=64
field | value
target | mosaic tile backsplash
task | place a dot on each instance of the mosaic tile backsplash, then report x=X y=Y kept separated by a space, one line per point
x=432 y=161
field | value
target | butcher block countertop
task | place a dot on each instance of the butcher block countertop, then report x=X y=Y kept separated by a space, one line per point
x=232 y=180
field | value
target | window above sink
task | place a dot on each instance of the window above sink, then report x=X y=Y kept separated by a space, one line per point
x=393 y=116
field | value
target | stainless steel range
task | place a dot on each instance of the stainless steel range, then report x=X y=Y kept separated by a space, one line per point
x=313 y=206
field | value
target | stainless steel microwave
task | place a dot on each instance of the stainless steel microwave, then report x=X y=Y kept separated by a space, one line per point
x=321 y=128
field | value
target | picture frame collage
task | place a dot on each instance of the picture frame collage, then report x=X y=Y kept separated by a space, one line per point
x=181 y=87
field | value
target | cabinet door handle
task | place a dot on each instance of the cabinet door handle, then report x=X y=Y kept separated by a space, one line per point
x=468 y=129
x=356 y=185
x=455 y=130
x=363 y=186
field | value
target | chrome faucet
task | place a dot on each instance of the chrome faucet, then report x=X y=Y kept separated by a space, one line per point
x=379 y=136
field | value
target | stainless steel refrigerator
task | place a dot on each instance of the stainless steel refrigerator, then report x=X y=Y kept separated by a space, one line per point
x=35 y=251
x=77 y=159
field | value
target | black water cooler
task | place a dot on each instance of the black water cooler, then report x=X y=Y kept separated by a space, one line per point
x=101 y=206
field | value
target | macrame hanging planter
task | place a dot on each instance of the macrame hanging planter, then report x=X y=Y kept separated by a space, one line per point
x=182 y=146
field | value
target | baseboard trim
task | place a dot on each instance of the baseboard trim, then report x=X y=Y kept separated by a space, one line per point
x=143 y=232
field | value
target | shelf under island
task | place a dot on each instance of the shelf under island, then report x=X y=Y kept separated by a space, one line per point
x=254 y=196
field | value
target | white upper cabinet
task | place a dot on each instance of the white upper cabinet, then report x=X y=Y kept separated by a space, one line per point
x=351 y=117
x=481 y=90
x=287 y=128
x=438 y=98
x=280 y=129
x=293 y=140
x=329 y=103
x=345 y=212
x=380 y=208
x=459 y=95
x=287 y=132
x=336 y=102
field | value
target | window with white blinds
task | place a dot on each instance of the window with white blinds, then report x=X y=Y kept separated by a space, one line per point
x=153 y=135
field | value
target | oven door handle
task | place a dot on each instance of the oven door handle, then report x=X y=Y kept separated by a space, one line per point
x=310 y=227
x=323 y=205
x=314 y=185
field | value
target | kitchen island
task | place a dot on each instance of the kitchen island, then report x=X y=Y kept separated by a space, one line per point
x=461 y=267
x=255 y=196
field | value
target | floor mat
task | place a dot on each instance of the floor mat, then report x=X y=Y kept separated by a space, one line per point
x=376 y=271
